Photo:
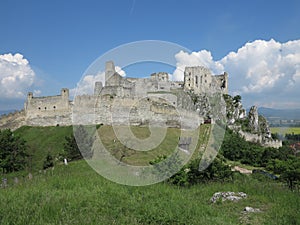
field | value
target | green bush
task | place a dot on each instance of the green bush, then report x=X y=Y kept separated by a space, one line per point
x=191 y=175
x=48 y=161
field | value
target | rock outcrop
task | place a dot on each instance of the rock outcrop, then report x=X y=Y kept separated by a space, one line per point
x=253 y=120
x=253 y=127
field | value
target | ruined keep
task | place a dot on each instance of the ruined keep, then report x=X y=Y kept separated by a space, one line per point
x=200 y=80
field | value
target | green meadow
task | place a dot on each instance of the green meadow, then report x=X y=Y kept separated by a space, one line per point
x=285 y=130
x=75 y=194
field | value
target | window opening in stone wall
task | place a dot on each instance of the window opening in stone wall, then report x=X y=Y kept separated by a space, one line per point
x=39 y=108
x=54 y=107
x=45 y=108
x=197 y=81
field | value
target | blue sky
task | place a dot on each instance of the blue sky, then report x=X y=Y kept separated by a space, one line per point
x=58 y=40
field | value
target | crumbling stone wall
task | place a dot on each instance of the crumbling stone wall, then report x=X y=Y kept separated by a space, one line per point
x=158 y=98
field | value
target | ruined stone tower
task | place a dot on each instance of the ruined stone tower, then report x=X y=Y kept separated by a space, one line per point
x=200 y=80
x=109 y=70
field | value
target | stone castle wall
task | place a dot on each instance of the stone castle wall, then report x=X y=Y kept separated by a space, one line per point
x=259 y=139
x=13 y=120
x=157 y=98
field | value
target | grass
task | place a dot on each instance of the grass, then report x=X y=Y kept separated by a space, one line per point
x=285 y=130
x=41 y=140
x=75 y=194
x=139 y=158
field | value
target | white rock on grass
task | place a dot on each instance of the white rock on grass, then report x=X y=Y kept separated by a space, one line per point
x=252 y=210
x=230 y=196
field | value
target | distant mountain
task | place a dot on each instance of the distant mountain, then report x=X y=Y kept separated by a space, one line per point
x=281 y=114
x=2 y=112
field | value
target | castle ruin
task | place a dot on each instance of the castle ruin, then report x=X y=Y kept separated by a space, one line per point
x=133 y=101
x=142 y=99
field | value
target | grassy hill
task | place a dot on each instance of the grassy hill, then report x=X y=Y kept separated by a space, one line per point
x=41 y=140
x=75 y=194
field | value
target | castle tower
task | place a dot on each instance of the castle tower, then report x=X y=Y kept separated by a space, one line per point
x=65 y=96
x=98 y=88
x=27 y=103
x=225 y=83
x=29 y=96
x=109 y=70
x=197 y=78
x=65 y=93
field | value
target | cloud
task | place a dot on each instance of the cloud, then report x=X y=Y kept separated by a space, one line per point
x=16 y=76
x=263 y=72
x=202 y=57
x=87 y=83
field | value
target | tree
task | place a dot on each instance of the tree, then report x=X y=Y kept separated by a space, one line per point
x=237 y=98
x=13 y=156
x=79 y=144
x=71 y=148
x=48 y=161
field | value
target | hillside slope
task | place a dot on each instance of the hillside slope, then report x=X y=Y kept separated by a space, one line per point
x=41 y=140
x=75 y=194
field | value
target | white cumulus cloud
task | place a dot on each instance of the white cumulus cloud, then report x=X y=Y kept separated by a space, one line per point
x=16 y=76
x=265 y=72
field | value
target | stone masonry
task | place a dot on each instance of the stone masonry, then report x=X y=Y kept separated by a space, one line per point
x=123 y=100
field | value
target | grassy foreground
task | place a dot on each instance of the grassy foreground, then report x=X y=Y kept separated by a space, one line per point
x=75 y=194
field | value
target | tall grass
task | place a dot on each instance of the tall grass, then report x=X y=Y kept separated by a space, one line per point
x=75 y=194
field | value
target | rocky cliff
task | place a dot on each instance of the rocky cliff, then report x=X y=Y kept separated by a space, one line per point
x=253 y=127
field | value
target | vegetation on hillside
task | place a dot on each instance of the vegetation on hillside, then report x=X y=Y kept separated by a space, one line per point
x=50 y=195
x=75 y=194
x=43 y=140
x=281 y=161
x=13 y=156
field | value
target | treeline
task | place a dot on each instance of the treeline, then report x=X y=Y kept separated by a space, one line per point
x=281 y=161
x=292 y=137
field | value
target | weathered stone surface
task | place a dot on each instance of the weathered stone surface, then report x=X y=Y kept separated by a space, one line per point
x=253 y=119
x=124 y=100
x=230 y=196
x=251 y=210
x=257 y=129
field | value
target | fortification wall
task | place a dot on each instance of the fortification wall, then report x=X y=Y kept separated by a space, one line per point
x=259 y=139
x=135 y=111
x=13 y=120
x=154 y=96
